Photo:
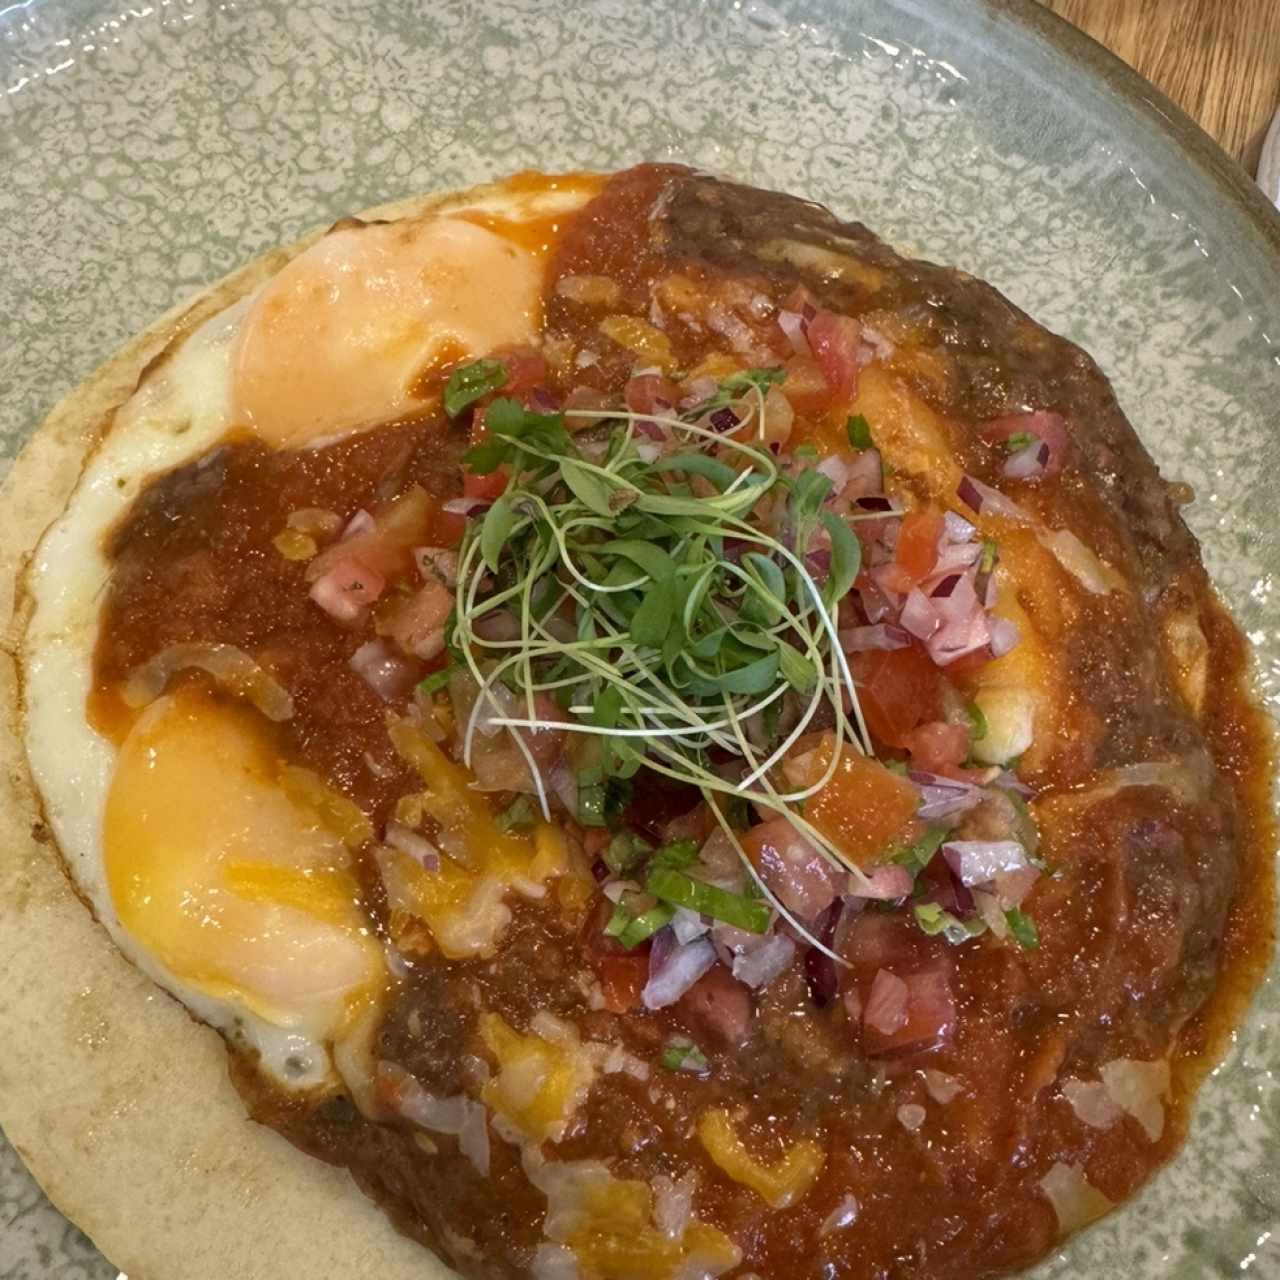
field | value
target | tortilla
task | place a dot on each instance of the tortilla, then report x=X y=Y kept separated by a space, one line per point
x=149 y=1149
x=135 y=1132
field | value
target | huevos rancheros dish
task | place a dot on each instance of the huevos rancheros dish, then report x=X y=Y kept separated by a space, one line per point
x=670 y=740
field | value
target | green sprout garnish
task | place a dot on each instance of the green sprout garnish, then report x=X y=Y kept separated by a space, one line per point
x=655 y=608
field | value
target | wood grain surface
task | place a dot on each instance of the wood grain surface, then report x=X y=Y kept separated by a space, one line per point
x=1219 y=60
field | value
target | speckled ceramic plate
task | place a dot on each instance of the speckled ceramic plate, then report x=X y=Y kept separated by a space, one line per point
x=146 y=150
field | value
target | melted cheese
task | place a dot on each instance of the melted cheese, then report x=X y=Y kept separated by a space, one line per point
x=910 y=436
x=608 y=1224
x=462 y=903
x=780 y=1184
x=540 y=1082
x=338 y=339
x=235 y=885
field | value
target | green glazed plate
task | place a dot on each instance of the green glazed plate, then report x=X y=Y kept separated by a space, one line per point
x=147 y=150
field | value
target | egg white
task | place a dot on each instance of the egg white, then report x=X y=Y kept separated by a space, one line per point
x=181 y=408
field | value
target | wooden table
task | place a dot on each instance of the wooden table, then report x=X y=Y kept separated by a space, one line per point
x=1219 y=60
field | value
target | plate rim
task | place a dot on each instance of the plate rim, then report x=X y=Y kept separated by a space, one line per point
x=1150 y=103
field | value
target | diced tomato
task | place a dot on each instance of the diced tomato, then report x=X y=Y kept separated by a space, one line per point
x=863 y=807
x=804 y=880
x=798 y=299
x=937 y=747
x=651 y=393
x=487 y=487
x=525 y=367
x=930 y=1016
x=1045 y=426
x=970 y=661
x=622 y=978
x=835 y=340
x=897 y=689
x=917 y=550
x=806 y=387
x=717 y=1003
x=445 y=528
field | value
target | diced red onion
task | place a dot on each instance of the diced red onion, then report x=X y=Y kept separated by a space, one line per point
x=875 y=604
x=911 y=1115
x=1028 y=463
x=1091 y=1102
x=347 y=589
x=955 y=528
x=1049 y=430
x=980 y=861
x=231 y=667
x=866 y=476
x=836 y=469
x=920 y=615
x=883 y=884
x=724 y=420
x=958 y=639
x=1013 y=886
x=687 y=925
x=818 y=563
x=886 y=1009
x=361 y=522
x=954 y=598
x=697 y=390
x=437 y=563
x=792 y=324
x=388 y=673
x=845 y=1214
x=673 y=1203
x=877 y=636
x=876 y=502
x=940 y=1086
x=819 y=968
x=674 y=967
x=418 y=847
x=987 y=905
x=983 y=498
x=648 y=451
x=464 y=506
x=943 y=797
x=954 y=557
x=1004 y=636
x=759 y=965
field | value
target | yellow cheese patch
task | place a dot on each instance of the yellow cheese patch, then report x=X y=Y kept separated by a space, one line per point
x=540 y=1083
x=779 y=1185
x=461 y=903
x=339 y=339
x=912 y=438
x=230 y=879
x=608 y=1223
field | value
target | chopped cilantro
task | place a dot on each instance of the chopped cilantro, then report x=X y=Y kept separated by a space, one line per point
x=932 y=919
x=683 y=890
x=435 y=681
x=625 y=852
x=519 y=815
x=977 y=722
x=1023 y=928
x=469 y=382
x=859 y=430
x=679 y=1056
x=631 y=930
x=1020 y=440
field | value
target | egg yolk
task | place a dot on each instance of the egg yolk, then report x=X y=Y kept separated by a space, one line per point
x=337 y=339
x=239 y=886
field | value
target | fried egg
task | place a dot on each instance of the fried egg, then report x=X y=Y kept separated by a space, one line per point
x=224 y=884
